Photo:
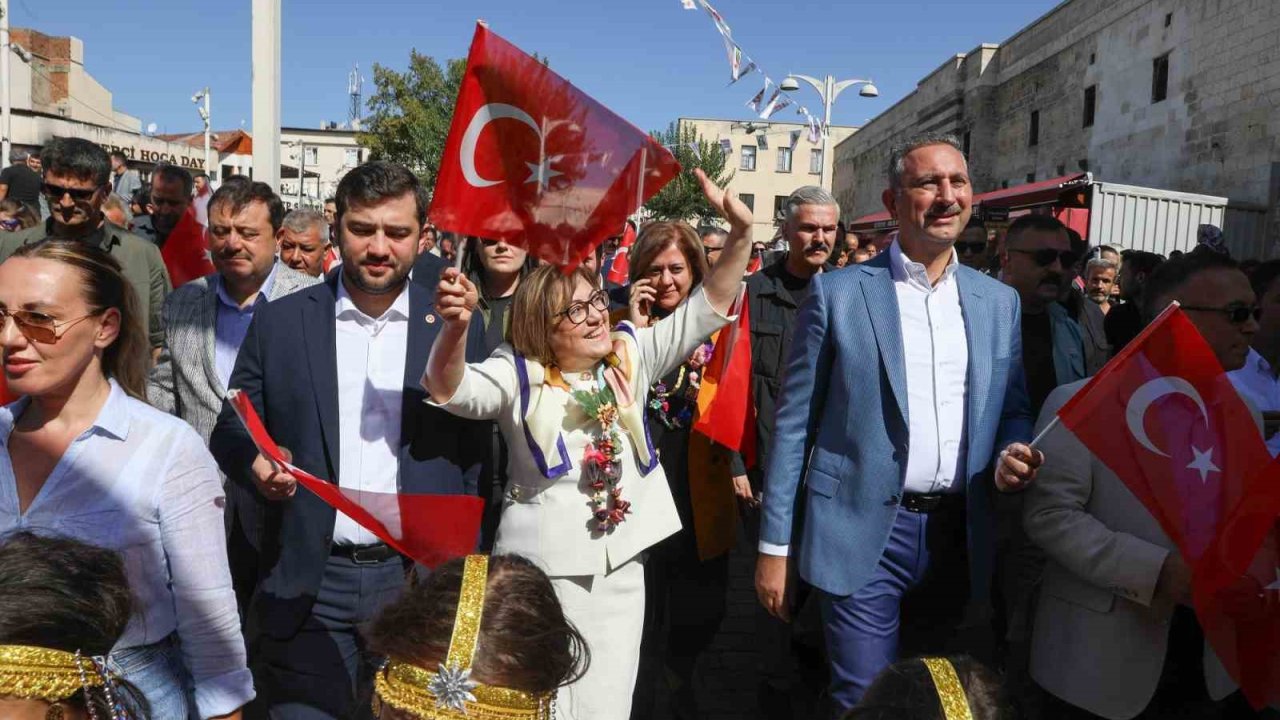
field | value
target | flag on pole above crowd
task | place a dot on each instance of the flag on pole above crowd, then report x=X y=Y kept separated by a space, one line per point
x=430 y=529
x=1190 y=450
x=532 y=160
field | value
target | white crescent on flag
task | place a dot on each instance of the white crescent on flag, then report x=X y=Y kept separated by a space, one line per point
x=1136 y=411
x=485 y=115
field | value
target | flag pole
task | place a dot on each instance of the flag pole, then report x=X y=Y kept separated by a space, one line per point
x=1055 y=422
x=459 y=252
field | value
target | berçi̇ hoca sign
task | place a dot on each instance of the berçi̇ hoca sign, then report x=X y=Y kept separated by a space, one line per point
x=155 y=156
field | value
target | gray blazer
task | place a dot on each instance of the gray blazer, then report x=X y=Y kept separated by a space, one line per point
x=185 y=380
x=1100 y=633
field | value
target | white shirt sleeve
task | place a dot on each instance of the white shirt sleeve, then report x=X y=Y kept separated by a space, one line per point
x=775 y=550
x=487 y=390
x=672 y=339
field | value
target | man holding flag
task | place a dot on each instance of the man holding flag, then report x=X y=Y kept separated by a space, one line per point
x=1115 y=635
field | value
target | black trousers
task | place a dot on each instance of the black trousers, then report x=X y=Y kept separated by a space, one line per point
x=323 y=672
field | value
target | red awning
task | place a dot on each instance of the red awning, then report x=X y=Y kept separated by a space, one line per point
x=1036 y=193
x=874 y=221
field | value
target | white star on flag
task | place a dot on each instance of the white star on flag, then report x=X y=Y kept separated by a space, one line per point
x=542 y=172
x=1203 y=463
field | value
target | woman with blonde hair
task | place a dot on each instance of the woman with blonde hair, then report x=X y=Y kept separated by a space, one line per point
x=83 y=455
x=586 y=496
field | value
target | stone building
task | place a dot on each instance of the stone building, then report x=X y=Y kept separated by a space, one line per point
x=767 y=164
x=1173 y=94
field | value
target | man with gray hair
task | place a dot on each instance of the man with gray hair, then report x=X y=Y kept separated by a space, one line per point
x=1099 y=278
x=303 y=241
x=774 y=296
x=902 y=410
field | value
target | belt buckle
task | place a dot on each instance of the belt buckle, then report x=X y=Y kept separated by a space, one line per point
x=367 y=556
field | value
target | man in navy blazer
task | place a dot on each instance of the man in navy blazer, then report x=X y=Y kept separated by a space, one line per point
x=334 y=371
x=904 y=381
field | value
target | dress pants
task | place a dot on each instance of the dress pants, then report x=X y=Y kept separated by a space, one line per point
x=608 y=611
x=323 y=671
x=913 y=604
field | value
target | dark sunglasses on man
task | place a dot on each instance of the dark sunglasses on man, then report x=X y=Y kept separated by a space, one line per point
x=38 y=327
x=1044 y=257
x=1236 y=314
x=56 y=192
x=971 y=248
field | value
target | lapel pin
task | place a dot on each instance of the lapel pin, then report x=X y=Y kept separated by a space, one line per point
x=431 y=319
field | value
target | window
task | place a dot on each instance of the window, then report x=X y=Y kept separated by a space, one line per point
x=1031 y=177
x=1090 y=102
x=748 y=199
x=312 y=154
x=1083 y=164
x=784 y=159
x=1160 y=78
x=351 y=157
x=815 y=162
x=748 y=161
x=966 y=145
x=1168 y=19
x=1092 y=57
x=1035 y=128
x=1062 y=170
x=779 y=202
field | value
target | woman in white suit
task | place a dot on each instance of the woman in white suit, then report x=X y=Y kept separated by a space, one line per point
x=585 y=496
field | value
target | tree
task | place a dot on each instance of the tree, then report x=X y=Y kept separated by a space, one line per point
x=410 y=112
x=682 y=198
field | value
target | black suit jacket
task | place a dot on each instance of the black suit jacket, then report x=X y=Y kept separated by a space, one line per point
x=288 y=367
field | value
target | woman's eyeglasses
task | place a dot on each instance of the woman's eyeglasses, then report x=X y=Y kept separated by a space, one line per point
x=1236 y=314
x=38 y=327
x=578 y=311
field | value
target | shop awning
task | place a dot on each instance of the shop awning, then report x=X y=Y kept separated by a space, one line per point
x=1027 y=195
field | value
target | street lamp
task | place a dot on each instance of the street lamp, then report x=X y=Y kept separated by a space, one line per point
x=208 y=132
x=828 y=89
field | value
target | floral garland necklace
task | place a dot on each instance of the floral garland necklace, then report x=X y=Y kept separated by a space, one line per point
x=601 y=460
x=660 y=397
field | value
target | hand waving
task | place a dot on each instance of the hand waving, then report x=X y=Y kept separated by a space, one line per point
x=725 y=203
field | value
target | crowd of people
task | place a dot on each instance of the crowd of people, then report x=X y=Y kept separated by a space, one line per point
x=154 y=564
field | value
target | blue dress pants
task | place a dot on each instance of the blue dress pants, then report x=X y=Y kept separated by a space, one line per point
x=913 y=604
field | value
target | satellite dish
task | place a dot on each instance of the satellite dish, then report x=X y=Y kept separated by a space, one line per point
x=151 y=128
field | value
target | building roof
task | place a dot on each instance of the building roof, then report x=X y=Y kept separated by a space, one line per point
x=232 y=142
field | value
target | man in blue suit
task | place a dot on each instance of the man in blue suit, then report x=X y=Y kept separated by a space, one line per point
x=334 y=370
x=904 y=380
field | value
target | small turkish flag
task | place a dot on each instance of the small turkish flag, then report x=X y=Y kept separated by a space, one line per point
x=726 y=408
x=532 y=160
x=1190 y=450
x=186 y=251
x=620 y=266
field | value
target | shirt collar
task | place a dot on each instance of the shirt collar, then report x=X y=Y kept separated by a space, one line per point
x=1259 y=363
x=264 y=292
x=98 y=238
x=908 y=271
x=345 y=306
x=113 y=418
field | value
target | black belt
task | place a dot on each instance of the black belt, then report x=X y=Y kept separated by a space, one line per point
x=929 y=502
x=365 y=554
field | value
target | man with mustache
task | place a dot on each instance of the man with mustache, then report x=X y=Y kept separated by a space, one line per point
x=304 y=241
x=902 y=412
x=334 y=371
x=1099 y=277
x=76 y=182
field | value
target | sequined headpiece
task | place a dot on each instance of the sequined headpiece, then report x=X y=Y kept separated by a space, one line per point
x=955 y=704
x=36 y=673
x=449 y=692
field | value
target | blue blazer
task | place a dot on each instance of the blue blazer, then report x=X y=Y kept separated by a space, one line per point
x=288 y=367
x=840 y=450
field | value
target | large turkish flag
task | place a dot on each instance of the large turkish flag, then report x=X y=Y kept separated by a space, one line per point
x=1166 y=419
x=532 y=160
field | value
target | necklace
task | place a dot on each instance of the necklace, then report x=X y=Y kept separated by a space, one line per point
x=601 y=463
x=660 y=397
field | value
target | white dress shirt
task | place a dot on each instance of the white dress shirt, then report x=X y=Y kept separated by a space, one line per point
x=141 y=482
x=1257 y=384
x=936 y=351
x=371 y=356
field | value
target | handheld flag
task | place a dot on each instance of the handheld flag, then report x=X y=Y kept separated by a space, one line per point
x=532 y=160
x=186 y=252
x=428 y=528
x=620 y=269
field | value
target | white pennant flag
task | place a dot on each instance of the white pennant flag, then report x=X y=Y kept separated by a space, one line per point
x=721 y=25
x=776 y=103
x=795 y=138
x=814 y=132
x=754 y=103
x=762 y=142
x=689 y=4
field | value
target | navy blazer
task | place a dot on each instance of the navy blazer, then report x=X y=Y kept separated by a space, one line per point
x=288 y=367
x=840 y=442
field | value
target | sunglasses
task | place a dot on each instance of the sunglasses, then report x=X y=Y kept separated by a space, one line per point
x=55 y=192
x=1236 y=314
x=970 y=248
x=38 y=327
x=1044 y=257
x=577 y=312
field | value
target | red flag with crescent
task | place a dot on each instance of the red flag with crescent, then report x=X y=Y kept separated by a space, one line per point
x=1190 y=449
x=532 y=160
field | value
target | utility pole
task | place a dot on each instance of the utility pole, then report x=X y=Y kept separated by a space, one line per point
x=6 y=111
x=208 y=130
x=266 y=92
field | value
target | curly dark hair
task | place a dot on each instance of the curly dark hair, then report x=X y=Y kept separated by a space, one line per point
x=526 y=643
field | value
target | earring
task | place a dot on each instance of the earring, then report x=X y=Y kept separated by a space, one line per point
x=54 y=712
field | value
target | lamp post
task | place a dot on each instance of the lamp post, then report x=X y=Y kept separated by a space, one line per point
x=828 y=89
x=6 y=119
x=208 y=129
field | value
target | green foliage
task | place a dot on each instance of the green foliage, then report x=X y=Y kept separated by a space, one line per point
x=682 y=198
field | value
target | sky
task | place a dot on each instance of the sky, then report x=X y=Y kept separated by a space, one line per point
x=650 y=61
